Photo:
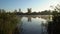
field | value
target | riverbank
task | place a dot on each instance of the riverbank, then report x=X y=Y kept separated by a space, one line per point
x=54 y=26
x=8 y=22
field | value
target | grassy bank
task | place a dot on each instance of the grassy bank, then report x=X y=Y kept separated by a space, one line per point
x=8 y=22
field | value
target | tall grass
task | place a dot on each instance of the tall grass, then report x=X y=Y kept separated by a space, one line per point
x=8 y=22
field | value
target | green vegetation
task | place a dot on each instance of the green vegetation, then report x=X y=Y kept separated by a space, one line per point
x=8 y=22
x=54 y=26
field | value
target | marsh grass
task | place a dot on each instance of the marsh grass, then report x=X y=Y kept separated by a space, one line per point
x=8 y=22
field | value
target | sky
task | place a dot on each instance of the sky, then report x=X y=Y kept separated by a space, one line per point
x=36 y=5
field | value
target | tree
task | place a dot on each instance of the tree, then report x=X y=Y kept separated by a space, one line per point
x=19 y=10
x=57 y=7
x=3 y=11
x=0 y=10
x=15 y=11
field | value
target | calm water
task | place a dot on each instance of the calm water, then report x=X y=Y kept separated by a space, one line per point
x=33 y=24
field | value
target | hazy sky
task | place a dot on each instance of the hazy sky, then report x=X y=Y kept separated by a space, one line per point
x=36 y=5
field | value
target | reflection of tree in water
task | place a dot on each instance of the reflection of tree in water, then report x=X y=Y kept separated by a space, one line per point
x=44 y=29
x=29 y=19
x=39 y=16
x=18 y=28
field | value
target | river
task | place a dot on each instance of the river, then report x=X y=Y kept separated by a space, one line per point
x=33 y=24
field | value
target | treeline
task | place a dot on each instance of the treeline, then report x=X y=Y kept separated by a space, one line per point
x=45 y=12
x=29 y=12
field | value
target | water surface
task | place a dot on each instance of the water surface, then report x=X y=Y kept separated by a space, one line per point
x=33 y=25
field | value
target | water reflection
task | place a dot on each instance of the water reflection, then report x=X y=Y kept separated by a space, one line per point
x=34 y=24
x=46 y=17
x=29 y=19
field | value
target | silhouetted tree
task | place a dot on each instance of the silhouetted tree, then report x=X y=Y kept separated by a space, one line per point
x=54 y=26
x=29 y=10
x=19 y=10
x=3 y=11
